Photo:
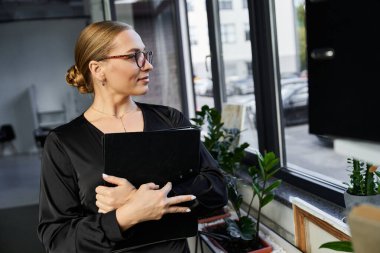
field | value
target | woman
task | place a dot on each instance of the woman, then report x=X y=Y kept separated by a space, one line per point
x=77 y=212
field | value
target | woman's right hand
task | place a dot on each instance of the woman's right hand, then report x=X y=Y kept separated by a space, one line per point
x=111 y=198
x=148 y=203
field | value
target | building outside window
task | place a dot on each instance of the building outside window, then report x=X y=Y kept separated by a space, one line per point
x=225 y=4
x=244 y=4
x=190 y=6
x=246 y=32
x=228 y=32
x=193 y=35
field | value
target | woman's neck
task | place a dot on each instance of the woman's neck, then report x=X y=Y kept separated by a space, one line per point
x=114 y=107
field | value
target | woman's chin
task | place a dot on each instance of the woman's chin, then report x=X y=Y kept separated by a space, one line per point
x=145 y=91
x=141 y=91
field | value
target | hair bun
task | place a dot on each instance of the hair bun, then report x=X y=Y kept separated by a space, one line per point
x=75 y=78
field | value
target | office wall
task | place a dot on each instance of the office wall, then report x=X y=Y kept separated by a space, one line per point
x=34 y=52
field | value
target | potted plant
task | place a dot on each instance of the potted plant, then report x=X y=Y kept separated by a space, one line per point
x=223 y=146
x=242 y=234
x=364 y=185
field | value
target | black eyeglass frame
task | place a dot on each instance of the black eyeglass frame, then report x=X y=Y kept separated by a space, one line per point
x=148 y=56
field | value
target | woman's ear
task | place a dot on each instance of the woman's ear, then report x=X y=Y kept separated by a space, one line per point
x=97 y=70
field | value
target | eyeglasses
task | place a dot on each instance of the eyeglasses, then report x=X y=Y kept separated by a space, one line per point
x=140 y=57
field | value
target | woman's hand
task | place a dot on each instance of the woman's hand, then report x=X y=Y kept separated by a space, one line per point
x=148 y=203
x=111 y=198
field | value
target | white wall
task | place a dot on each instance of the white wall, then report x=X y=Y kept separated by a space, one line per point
x=34 y=52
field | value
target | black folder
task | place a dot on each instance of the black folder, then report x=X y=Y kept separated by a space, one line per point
x=161 y=156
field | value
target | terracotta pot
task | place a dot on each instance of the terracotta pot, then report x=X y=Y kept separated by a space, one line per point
x=266 y=247
x=353 y=200
x=224 y=214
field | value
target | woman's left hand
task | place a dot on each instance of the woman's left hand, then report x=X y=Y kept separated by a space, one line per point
x=111 y=198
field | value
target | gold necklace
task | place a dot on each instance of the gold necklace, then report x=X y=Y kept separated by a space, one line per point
x=114 y=115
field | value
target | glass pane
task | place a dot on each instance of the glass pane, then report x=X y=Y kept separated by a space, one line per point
x=200 y=53
x=237 y=59
x=154 y=22
x=305 y=152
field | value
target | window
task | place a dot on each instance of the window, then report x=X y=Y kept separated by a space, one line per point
x=238 y=76
x=228 y=33
x=225 y=4
x=302 y=152
x=200 y=55
x=306 y=153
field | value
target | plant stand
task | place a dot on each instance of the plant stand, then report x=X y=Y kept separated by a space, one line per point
x=202 y=222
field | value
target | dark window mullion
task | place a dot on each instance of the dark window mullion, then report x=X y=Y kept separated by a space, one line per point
x=266 y=76
x=217 y=67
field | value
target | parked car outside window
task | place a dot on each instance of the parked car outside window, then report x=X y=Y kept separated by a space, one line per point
x=202 y=86
x=294 y=92
x=241 y=85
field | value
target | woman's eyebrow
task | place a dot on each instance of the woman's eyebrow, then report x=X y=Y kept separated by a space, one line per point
x=135 y=50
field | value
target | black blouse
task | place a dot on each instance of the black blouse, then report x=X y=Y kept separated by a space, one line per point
x=72 y=167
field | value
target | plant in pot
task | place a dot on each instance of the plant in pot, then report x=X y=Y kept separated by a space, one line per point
x=222 y=143
x=364 y=185
x=242 y=234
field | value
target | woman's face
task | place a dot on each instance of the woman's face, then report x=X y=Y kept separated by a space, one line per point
x=123 y=76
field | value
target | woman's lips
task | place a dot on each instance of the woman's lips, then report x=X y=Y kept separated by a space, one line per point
x=145 y=79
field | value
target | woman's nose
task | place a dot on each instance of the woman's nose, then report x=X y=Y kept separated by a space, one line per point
x=147 y=66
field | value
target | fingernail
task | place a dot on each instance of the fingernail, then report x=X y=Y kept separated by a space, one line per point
x=105 y=175
x=193 y=197
x=188 y=210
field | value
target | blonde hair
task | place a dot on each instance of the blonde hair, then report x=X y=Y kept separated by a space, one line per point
x=94 y=43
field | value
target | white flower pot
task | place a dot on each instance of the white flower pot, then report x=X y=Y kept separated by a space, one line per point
x=353 y=200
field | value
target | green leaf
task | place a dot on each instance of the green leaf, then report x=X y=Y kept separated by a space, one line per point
x=234 y=231
x=273 y=186
x=270 y=175
x=268 y=157
x=252 y=170
x=345 y=246
x=271 y=165
x=268 y=198
x=247 y=227
x=256 y=188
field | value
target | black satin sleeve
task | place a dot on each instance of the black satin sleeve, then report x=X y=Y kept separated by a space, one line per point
x=209 y=185
x=64 y=225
